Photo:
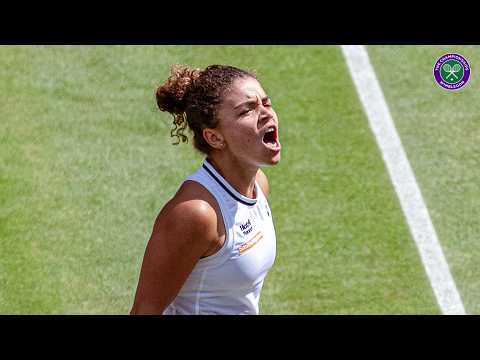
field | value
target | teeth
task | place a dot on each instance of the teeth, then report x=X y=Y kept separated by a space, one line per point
x=270 y=130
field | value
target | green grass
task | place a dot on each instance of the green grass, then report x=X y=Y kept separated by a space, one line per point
x=440 y=132
x=343 y=244
x=86 y=163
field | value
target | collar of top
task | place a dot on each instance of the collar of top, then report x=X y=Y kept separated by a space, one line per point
x=227 y=187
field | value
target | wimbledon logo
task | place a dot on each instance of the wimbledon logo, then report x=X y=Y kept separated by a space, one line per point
x=451 y=71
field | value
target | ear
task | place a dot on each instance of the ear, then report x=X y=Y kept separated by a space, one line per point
x=214 y=138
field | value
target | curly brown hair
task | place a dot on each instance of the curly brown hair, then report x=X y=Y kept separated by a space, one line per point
x=192 y=96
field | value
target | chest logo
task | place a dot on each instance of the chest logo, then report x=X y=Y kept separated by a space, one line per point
x=246 y=228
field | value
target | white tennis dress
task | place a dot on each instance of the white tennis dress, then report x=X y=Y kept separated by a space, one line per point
x=229 y=282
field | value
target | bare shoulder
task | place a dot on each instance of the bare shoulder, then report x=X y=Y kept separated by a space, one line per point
x=191 y=214
x=184 y=231
x=262 y=181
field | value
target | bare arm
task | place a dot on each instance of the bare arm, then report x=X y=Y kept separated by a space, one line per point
x=183 y=232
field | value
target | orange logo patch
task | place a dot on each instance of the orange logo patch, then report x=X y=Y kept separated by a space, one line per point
x=252 y=242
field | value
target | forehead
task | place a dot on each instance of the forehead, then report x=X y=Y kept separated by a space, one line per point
x=243 y=89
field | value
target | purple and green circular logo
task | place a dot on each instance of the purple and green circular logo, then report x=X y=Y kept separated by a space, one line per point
x=451 y=71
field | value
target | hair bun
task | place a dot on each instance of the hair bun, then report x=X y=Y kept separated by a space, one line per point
x=171 y=95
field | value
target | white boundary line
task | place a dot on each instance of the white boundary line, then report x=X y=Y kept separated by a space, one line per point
x=403 y=179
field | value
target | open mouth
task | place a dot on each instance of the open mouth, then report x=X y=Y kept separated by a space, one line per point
x=270 y=138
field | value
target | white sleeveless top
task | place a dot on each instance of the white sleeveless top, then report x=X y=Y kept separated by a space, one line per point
x=229 y=282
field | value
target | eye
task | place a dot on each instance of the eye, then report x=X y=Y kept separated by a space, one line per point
x=246 y=111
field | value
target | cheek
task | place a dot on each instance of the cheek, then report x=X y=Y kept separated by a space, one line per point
x=240 y=133
x=243 y=137
x=249 y=136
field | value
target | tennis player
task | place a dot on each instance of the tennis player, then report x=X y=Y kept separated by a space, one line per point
x=214 y=242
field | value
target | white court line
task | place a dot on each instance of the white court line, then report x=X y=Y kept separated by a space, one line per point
x=403 y=179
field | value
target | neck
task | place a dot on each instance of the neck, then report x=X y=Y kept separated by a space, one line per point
x=238 y=175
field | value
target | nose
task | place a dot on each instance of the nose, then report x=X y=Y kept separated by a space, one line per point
x=265 y=114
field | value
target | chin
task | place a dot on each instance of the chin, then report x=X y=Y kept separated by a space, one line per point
x=274 y=160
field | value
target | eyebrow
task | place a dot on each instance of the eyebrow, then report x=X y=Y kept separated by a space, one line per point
x=251 y=101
